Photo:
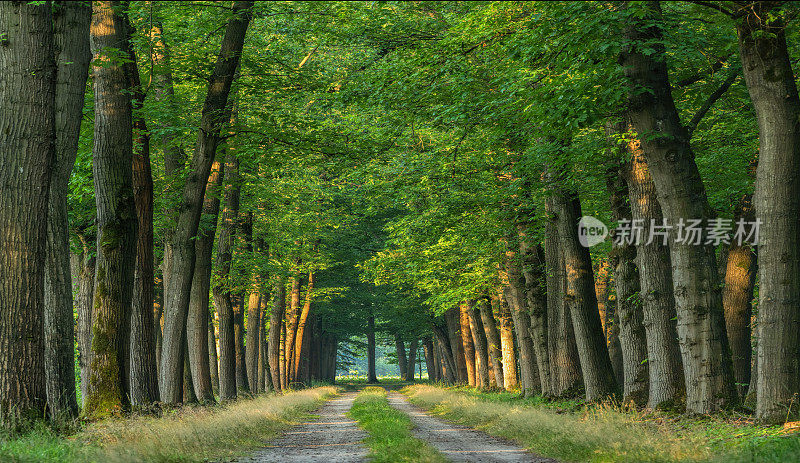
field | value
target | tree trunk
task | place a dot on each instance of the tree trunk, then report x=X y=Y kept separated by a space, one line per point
x=142 y=360
x=512 y=292
x=83 y=304
x=456 y=347
x=430 y=363
x=400 y=350
x=481 y=348
x=412 y=359
x=197 y=319
x=740 y=277
x=493 y=341
x=274 y=337
x=252 y=343
x=179 y=249
x=467 y=343
x=189 y=396
x=27 y=101
x=212 y=355
x=632 y=335
x=72 y=61
x=682 y=197
x=565 y=369
x=301 y=326
x=292 y=319
x=598 y=374
x=371 y=376
x=536 y=297
x=608 y=317
x=239 y=315
x=770 y=81
x=446 y=355
x=510 y=378
x=116 y=218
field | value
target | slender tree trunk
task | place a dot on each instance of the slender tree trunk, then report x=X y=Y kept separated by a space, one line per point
x=292 y=320
x=412 y=359
x=301 y=326
x=446 y=355
x=516 y=299
x=142 y=360
x=212 y=355
x=481 y=347
x=456 y=349
x=632 y=335
x=565 y=369
x=467 y=343
x=740 y=278
x=239 y=315
x=116 y=217
x=371 y=376
x=770 y=81
x=510 y=378
x=27 y=101
x=189 y=396
x=608 y=317
x=83 y=303
x=493 y=341
x=197 y=319
x=252 y=344
x=179 y=255
x=682 y=197
x=536 y=296
x=72 y=61
x=274 y=337
x=430 y=363
x=402 y=361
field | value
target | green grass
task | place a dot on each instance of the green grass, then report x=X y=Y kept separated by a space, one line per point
x=573 y=431
x=188 y=434
x=389 y=430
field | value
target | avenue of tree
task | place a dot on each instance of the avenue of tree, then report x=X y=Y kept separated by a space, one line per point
x=212 y=199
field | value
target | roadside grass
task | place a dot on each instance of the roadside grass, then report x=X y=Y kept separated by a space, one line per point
x=389 y=430
x=571 y=431
x=188 y=434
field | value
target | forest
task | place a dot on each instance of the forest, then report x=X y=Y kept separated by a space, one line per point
x=534 y=203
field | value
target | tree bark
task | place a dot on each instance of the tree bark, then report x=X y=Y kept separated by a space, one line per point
x=770 y=81
x=179 y=249
x=608 y=317
x=682 y=197
x=72 y=61
x=481 y=347
x=430 y=363
x=412 y=359
x=239 y=315
x=252 y=343
x=632 y=335
x=83 y=303
x=274 y=337
x=446 y=354
x=198 y=316
x=565 y=369
x=116 y=217
x=292 y=320
x=27 y=101
x=536 y=296
x=301 y=327
x=510 y=378
x=456 y=347
x=511 y=280
x=493 y=341
x=142 y=359
x=402 y=361
x=213 y=363
x=468 y=344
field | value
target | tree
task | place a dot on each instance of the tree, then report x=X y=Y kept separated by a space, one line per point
x=27 y=102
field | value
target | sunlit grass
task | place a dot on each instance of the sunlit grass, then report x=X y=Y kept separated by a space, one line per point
x=188 y=434
x=390 y=437
x=608 y=432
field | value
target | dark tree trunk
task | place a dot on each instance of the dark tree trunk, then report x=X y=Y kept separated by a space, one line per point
x=412 y=359
x=239 y=315
x=737 y=296
x=83 y=304
x=158 y=312
x=179 y=255
x=467 y=343
x=565 y=368
x=142 y=359
x=189 y=396
x=371 y=376
x=446 y=354
x=223 y=299
x=481 y=348
x=116 y=217
x=72 y=61
x=274 y=337
x=456 y=347
x=666 y=381
x=608 y=317
x=27 y=101
x=197 y=319
x=430 y=363
x=536 y=297
x=681 y=195
x=493 y=341
x=402 y=361
x=632 y=336
x=213 y=362
x=770 y=81
x=252 y=344
x=516 y=299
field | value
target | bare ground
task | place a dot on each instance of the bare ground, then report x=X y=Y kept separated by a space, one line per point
x=332 y=438
x=460 y=443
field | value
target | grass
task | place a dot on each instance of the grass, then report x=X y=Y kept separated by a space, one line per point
x=390 y=438
x=572 y=431
x=188 y=434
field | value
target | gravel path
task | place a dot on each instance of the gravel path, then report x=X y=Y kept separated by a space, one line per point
x=333 y=438
x=459 y=443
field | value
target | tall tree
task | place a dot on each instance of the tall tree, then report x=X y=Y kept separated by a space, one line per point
x=180 y=246
x=116 y=215
x=771 y=83
x=72 y=61
x=27 y=102
x=274 y=336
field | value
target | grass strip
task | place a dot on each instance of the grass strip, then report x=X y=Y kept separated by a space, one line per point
x=607 y=432
x=390 y=438
x=188 y=434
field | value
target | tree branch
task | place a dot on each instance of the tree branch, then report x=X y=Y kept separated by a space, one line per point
x=716 y=95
